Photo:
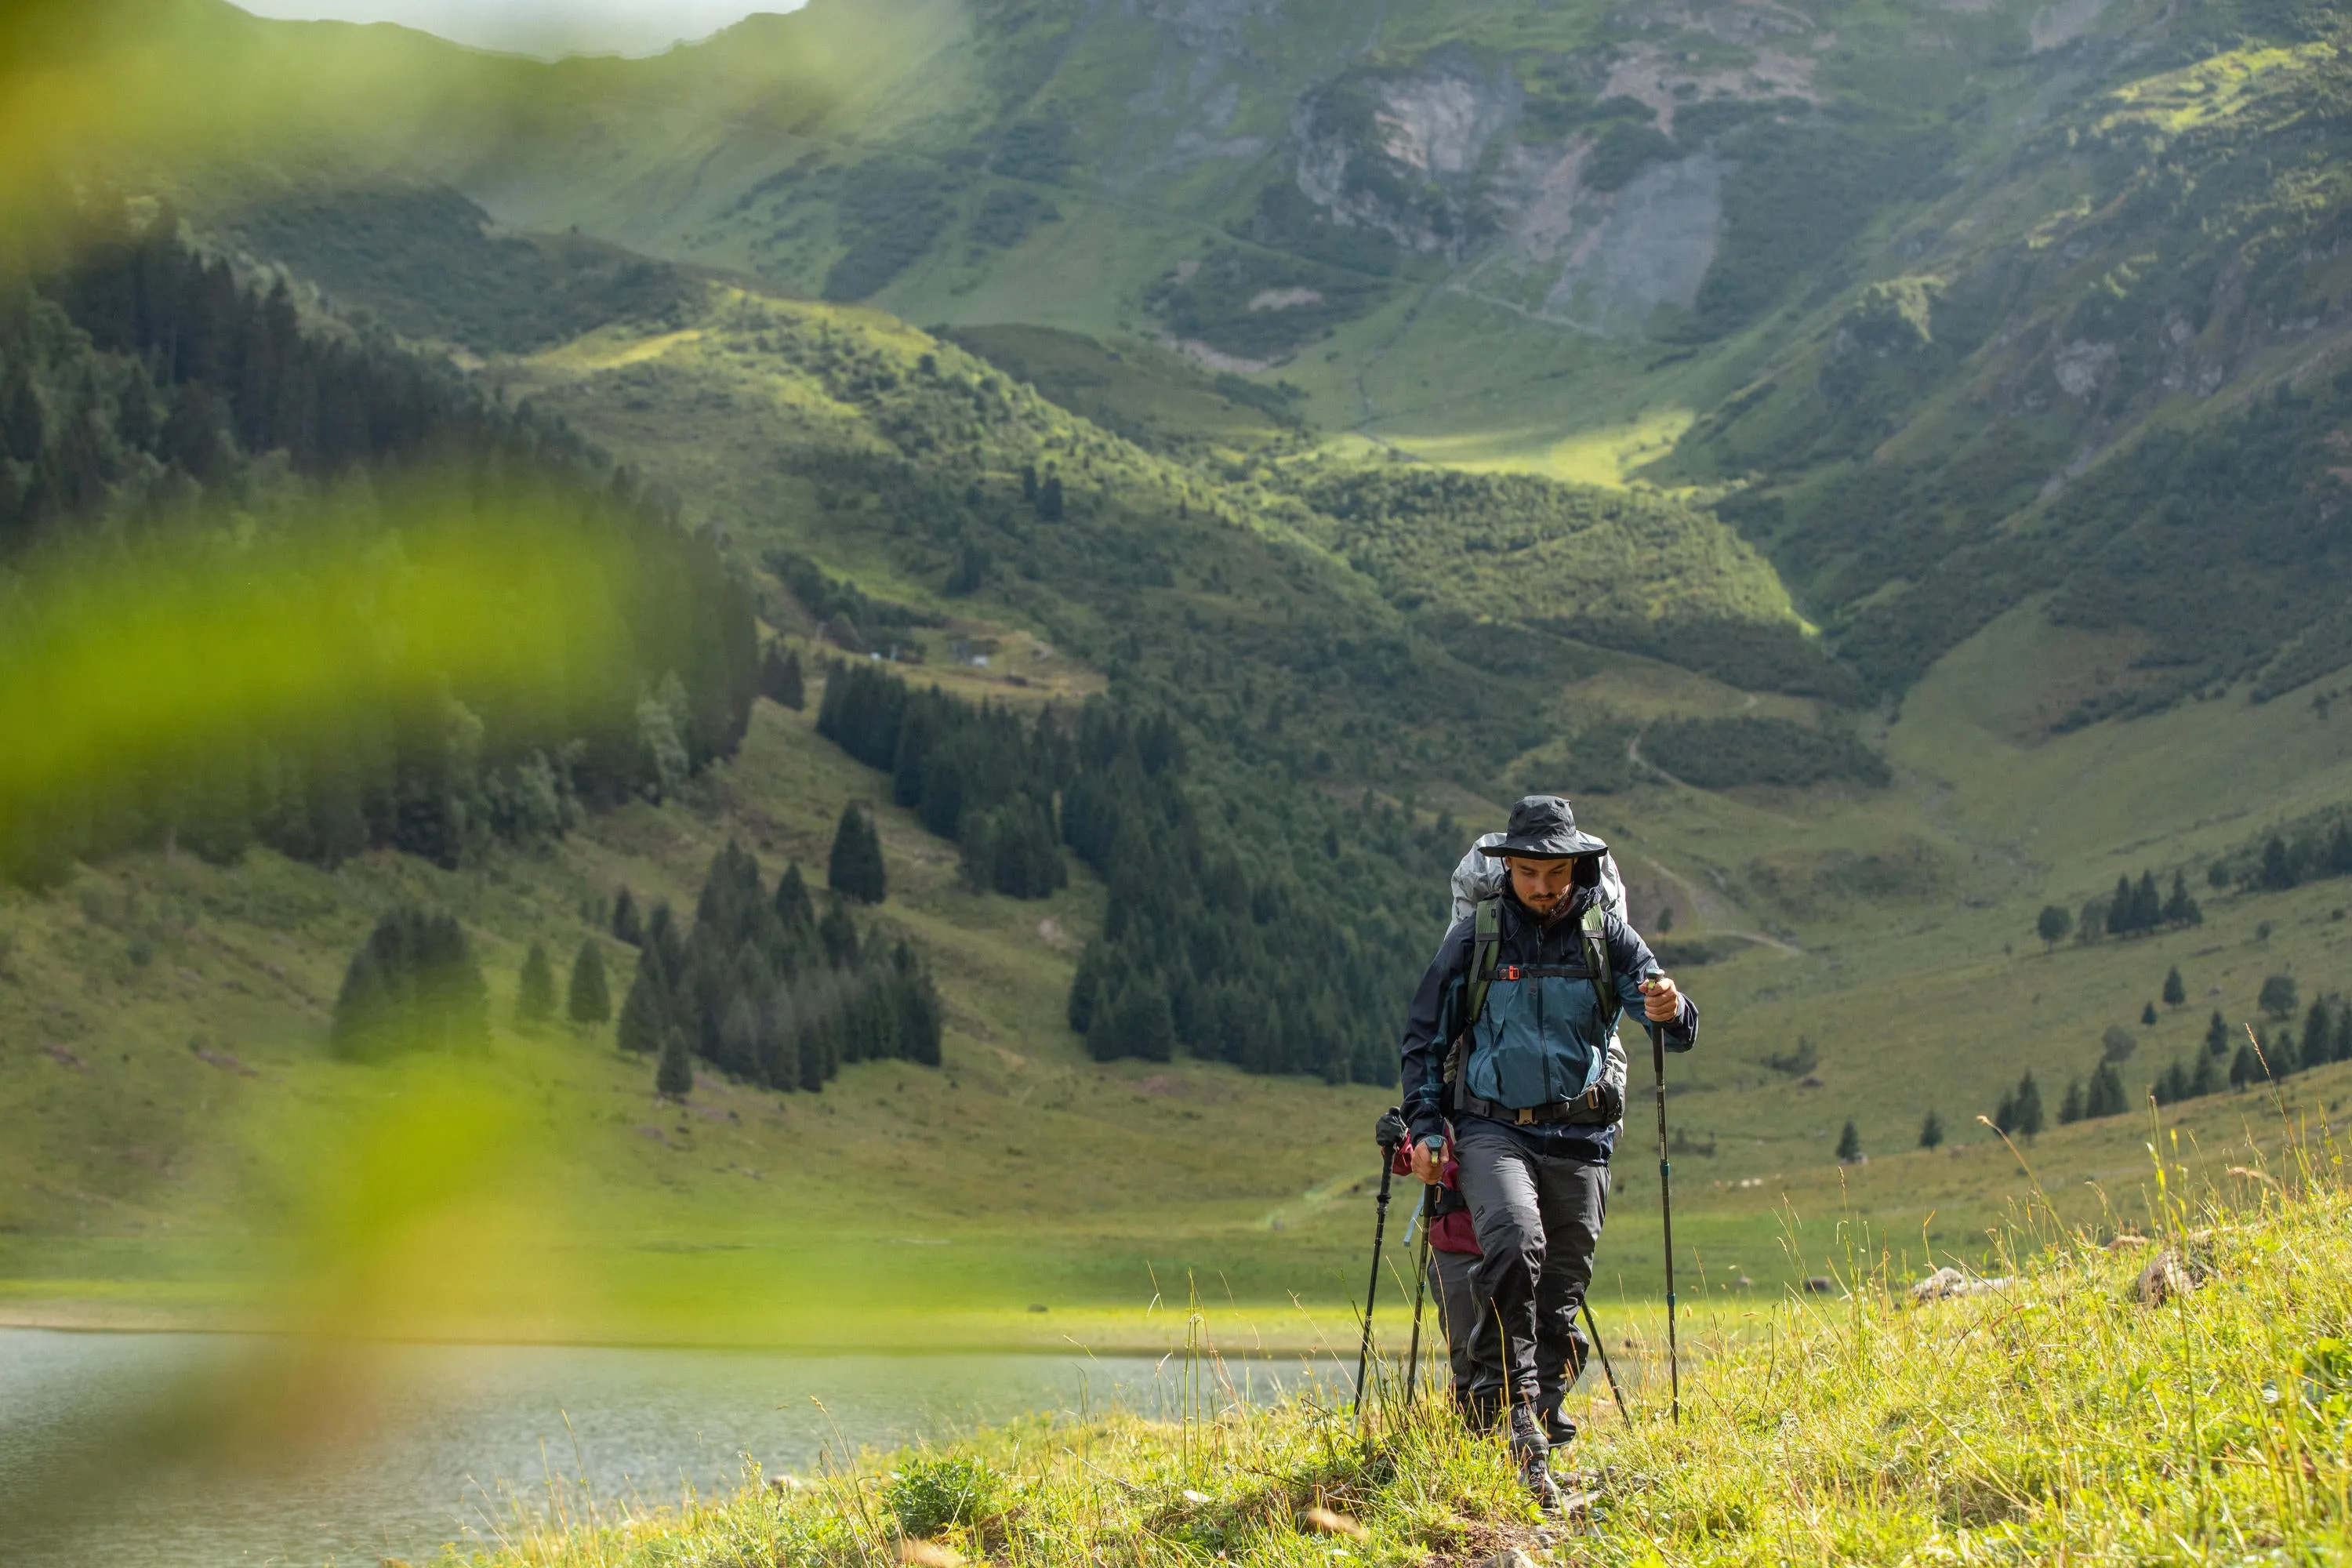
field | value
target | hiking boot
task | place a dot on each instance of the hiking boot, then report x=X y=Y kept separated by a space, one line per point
x=1558 y=1429
x=1528 y=1434
x=1481 y=1413
x=1536 y=1476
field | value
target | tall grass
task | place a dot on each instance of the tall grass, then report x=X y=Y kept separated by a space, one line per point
x=2173 y=1387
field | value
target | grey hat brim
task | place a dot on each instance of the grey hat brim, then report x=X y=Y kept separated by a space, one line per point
x=1550 y=847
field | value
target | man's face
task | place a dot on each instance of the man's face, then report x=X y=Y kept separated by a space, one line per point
x=1540 y=885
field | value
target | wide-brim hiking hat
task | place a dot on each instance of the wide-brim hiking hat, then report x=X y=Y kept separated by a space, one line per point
x=1542 y=827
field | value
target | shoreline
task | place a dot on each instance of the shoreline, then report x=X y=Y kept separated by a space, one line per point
x=70 y=1316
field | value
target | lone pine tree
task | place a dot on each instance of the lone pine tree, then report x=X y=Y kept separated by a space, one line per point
x=589 y=1001
x=1849 y=1147
x=2175 y=992
x=535 y=992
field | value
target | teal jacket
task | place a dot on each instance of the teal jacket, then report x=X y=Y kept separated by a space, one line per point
x=1544 y=1035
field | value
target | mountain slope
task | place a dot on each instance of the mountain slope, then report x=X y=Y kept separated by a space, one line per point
x=1906 y=278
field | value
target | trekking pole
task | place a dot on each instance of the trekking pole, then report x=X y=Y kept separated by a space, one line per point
x=1420 y=1291
x=1389 y=1132
x=1601 y=1347
x=1666 y=1206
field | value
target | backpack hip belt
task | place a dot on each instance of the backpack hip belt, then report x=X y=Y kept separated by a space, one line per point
x=1558 y=1112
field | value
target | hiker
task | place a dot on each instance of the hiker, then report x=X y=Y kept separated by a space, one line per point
x=1512 y=1038
x=1452 y=1258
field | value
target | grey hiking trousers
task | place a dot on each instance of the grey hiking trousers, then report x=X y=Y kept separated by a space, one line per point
x=1538 y=1219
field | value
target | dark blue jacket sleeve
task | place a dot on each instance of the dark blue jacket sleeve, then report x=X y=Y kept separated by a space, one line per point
x=1425 y=1028
x=1631 y=961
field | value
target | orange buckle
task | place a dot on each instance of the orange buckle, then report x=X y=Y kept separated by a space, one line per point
x=1527 y=1118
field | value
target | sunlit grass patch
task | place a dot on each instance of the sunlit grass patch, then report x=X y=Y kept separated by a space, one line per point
x=1606 y=454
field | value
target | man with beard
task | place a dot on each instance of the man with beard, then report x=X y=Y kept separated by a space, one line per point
x=1512 y=1038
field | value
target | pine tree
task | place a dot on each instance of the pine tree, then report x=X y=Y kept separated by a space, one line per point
x=413 y=985
x=780 y=680
x=2278 y=996
x=193 y=441
x=2070 y=1104
x=2278 y=1049
x=23 y=428
x=2217 y=1036
x=535 y=994
x=921 y=1018
x=1049 y=499
x=2148 y=906
x=2052 y=926
x=2339 y=848
x=2278 y=871
x=2173 y=1086
x=795 y=912
x=2318 y=1045
x=1140 y=1023
x=645 y=1014
x=2343 y=1052
x=674 y=1074
x=838 y=934
x=2026 y=1112
x=1931 y=1130
x=856 y=868
x=2175 y=992
x=739 y=1038
x=1849 y=1146
x=2180 y=909
x=2147 y=1014
x=2206 y=1076
x=2246 y=1067
x=134 y=410
x=2106 y=1095
x=589 y=1001
x=2120 y=912
x=625 y=925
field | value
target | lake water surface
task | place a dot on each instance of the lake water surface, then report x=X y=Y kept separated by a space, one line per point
x=457 y=1438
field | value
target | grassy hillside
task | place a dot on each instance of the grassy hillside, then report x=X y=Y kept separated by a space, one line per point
x=167 y=1000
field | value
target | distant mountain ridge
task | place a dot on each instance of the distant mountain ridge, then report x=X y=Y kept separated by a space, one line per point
x=1903 y=281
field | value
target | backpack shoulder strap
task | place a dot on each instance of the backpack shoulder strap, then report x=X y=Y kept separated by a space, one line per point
x=1485 y=936
x=1595 y=923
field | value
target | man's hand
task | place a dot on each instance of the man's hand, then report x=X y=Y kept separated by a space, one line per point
x=1428 y=1159
x=1664 y=1004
